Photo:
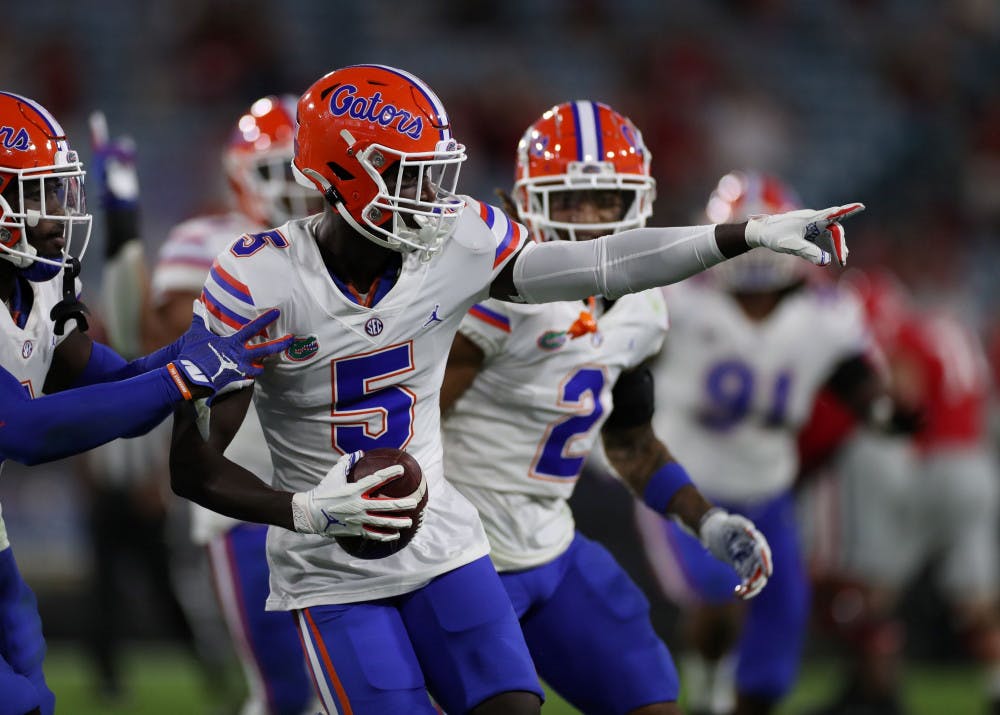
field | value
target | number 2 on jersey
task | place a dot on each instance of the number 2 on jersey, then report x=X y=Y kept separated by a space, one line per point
x=366 y=413
x=581 y=392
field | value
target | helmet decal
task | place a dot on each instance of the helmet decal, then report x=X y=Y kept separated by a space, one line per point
x=344 y=100
x=628 y=131
x=432 y=106
x=17 y=142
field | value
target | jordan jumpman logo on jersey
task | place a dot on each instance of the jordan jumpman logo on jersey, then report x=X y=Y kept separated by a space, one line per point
x=434 y=317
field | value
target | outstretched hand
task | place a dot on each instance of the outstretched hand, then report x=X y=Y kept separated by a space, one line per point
x=816 y=236
x=219 y=362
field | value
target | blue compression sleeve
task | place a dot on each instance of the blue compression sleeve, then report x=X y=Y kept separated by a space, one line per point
x=23 y=646
x=65 y=423
x=105 y=365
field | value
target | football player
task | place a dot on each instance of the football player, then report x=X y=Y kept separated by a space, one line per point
x=526 y=392
x=257 y=165
x=373 y=290
x=903 y=502
x=91 y=395
x=749 y=347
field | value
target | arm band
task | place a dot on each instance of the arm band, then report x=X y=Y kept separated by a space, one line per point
x=73 y=421
x=105 y=365
x=632 y=398
x=612 y=266
x=665 y=482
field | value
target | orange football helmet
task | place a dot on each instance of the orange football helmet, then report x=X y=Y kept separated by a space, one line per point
x=738 y=196
x=258 y=160
x=742 y=194
x=361 y=125
x=36 y=158
x=582 y=146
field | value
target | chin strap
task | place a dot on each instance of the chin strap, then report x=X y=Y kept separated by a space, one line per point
x=70 y=307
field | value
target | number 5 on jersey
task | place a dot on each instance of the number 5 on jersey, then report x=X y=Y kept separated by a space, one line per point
x=366 y=412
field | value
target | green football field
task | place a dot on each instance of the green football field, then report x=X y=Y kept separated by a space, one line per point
x=164 y=681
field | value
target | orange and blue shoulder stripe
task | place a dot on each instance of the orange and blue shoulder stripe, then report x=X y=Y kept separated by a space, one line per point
x=509 y=233
x=223 y=288
x=490 y=317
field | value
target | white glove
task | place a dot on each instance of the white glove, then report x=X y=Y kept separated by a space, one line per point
x=336 y=507
x=813 y=235
x=734 y=539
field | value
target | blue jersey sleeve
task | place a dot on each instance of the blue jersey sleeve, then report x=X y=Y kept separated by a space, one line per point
x=105 y=365
x=51 y=427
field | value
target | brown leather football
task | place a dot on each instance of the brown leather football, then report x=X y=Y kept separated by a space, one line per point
x=401 y=486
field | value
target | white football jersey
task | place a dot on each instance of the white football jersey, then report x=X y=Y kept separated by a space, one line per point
x=516 y=440
x=359 y=378
x=184 y=261
x=732 y=393
x=26 y=353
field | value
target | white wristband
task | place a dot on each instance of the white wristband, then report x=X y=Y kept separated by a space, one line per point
x=300 y=514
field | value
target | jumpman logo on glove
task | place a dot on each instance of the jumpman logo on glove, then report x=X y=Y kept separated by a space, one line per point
x=228 y=359
x=225 y=363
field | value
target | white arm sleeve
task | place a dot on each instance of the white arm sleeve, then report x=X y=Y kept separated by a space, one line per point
x=612 y=266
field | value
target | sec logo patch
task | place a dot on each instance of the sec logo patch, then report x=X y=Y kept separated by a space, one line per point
x=27 y=349
x=374 y=326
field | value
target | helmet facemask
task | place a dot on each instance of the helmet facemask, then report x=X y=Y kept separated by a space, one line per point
x=59 y=193
x=418 y=208
x=533 y=196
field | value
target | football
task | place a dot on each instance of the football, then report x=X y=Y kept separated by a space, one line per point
x=401 y=486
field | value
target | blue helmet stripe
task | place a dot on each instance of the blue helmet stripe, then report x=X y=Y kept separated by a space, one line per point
x=54 y=126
